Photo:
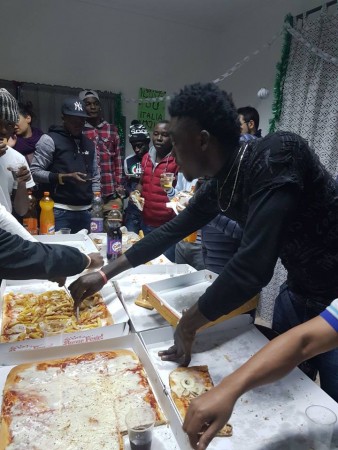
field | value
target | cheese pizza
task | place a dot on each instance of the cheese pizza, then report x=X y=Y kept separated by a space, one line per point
x=187 y=383
x=74 y=403
x=25 y=315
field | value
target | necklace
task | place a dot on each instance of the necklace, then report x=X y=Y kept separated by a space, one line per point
x=220 y=189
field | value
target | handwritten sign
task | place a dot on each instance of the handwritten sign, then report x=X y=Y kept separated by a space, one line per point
x=150 y=113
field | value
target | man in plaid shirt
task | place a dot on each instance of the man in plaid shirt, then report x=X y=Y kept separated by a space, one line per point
x=108 y=151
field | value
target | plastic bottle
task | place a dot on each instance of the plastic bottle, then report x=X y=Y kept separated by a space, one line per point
x=30 y=219
x=96 y=223
x=114 y=235
x=47 y=219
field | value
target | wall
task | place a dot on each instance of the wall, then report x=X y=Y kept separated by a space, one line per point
x=77 y=43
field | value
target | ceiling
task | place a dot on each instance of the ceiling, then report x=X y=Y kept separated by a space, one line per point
x=213 y=15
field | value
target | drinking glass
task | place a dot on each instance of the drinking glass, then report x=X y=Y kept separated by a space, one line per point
x=321 y=421
x=140 y=422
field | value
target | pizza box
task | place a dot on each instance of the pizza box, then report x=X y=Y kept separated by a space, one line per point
x=171 y=296
x=270 y=417
x=120 y=326
x=80 y=240
x=128 y=286
x=166 y=437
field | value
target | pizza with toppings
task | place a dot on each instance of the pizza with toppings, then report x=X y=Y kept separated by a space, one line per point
x=187 y=383
x=74 y=403
x=24 y=316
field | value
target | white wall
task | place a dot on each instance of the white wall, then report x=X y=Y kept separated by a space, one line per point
x=76 y=43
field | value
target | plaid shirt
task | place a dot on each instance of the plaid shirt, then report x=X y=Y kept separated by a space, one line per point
x=108 y=152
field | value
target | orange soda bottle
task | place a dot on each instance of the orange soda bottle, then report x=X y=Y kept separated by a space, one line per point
x=47 y=219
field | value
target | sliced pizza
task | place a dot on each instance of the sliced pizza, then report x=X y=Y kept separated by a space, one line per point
x=187 y=383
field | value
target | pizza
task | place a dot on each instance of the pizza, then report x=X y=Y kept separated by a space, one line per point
x=137 y=199
x=75 y=403
x=25 y=315
x=187 y=383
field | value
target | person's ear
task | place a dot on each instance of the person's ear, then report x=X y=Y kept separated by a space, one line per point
x=28 y=119
x=204 y=139
x=251 y=125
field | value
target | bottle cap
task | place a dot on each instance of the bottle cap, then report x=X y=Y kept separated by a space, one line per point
x=97 y=193
x=46 y=194
x=115 y=206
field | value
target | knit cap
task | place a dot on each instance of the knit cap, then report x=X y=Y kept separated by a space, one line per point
x=8 y=106
x=138 y=132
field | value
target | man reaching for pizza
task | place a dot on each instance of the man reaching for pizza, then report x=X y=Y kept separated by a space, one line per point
x=21 y=258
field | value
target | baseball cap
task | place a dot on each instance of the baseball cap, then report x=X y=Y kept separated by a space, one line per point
x=88 y=93
x=8 y=106
x=138 y=132
x=72 y=106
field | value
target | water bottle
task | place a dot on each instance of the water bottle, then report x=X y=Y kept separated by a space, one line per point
x=30 y=219
x=47 y=219
x=114 y=235
x=96 y=222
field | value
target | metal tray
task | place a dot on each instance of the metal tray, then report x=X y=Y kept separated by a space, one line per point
x=128 y=286
x=271 y=417
x=120 y=326
x=165 y=436
x=170 y=297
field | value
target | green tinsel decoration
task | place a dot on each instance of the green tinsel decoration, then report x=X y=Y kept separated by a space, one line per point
x=119 y=119
x=281 y=69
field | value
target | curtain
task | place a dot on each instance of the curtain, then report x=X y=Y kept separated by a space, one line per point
x=309 y=107
x=47 y=101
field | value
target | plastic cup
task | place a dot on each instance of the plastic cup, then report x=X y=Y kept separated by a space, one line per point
x=65 y=230
x=53 y=331
x=321 y=422
x=168 y=179
x=140 y=424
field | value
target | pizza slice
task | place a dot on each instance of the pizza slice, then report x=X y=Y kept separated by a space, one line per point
x=187 y=383
x=137 y=199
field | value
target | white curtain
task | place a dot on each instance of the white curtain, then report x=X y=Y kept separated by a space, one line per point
x=310 y=107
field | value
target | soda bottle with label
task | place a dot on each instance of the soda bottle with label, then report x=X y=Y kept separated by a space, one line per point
x=96 y=222
x=47 y=219
x=30 y=219
x=114 y=235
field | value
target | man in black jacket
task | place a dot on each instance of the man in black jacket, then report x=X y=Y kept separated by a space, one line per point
x=65 y=164
x=280 y=194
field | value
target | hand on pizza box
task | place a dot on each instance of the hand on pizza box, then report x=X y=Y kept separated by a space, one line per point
x=207 y=414
x=85 y=286
x=181 y=350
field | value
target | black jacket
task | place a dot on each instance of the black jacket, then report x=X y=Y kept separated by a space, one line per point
x=68 y=155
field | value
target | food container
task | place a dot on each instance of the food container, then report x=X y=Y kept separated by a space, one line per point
x=170 y=297
x=128 y=286
x=120 y=326
x=166 y=437
x=80 y=240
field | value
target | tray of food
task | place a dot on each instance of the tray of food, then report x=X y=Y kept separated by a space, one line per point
x=270 y=417
x=55 y=399
x=80 y=240
x=128 y=286
x=171 y=296
x=38 y=314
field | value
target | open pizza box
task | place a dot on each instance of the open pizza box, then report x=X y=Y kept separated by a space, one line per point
x=270 y=417
x=80 y=240
x=119 y=327
x=171 y=296
x=166 y=437
x=128 y=286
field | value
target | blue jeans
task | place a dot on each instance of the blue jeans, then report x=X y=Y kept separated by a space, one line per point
x=170 y=252
x=75 y=220
x=291 y=310
x=132 y=220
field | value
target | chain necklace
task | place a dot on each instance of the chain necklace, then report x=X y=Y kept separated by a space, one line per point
x=220 y=189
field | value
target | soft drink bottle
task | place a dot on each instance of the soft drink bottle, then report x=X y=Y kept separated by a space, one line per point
x=30 y=219
x=96 y=222
x=47 y=219
x=114 y=235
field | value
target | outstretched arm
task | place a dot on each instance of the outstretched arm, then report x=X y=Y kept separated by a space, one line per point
x=271 y=363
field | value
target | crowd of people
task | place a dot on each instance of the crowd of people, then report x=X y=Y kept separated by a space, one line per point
x=268 y=198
